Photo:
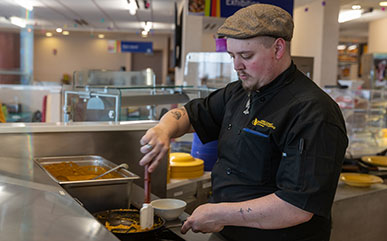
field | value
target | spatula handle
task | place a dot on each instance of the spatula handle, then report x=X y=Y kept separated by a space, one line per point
x=147 y=184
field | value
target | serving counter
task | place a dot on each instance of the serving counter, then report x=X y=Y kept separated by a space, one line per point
x=34 y=207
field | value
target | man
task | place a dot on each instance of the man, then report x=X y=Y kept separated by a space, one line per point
x=281 y=139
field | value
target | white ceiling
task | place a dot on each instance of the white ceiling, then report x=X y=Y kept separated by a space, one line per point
x=113 y=15
x=100 y=15
x=355 y=30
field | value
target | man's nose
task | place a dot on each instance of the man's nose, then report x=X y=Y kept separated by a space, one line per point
x=238 y=65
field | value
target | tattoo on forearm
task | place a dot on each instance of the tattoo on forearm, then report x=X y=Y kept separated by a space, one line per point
x=243 y=211
x=177 y=114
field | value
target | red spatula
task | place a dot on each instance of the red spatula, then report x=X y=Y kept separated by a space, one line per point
x=146 y=212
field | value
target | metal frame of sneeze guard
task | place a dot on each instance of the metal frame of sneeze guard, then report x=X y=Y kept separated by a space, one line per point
x=102 y=78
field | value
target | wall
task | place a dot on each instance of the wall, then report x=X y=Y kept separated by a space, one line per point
x=377 y=39
x=80 y=51
x=316 y=34
x=9 y=56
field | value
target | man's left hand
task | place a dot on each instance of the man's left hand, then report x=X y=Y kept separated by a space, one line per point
x=204 y=219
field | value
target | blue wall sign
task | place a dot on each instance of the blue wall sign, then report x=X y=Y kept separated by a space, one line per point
x=229 y=7
x=136 y=47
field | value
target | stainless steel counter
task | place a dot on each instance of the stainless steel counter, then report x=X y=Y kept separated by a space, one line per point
x=35 y=208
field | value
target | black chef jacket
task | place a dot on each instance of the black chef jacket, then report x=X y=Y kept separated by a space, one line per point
x=289 y=141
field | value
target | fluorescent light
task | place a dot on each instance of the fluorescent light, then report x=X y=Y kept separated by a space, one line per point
x=18 y=21
x=25 y=4
x=352 y=47
x=348 y=15
x=147 y=26
x=101 y=36
x=356 y=7
x=383 y=4
x=48 y=34
x=66 y=33
x=341 y=47
x=59 y=30
x=132 y=7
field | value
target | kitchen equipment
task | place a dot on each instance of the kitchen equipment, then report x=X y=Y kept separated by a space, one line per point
x=183 y=165
x=169 y=208
x=123 y=165
x=146 y=212
x=95 y=195
x=360 y=179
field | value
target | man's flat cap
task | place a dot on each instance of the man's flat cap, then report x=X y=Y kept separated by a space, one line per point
x=258 y=20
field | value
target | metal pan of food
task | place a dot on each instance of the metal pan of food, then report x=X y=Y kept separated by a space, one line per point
x=126 y=222
x=80 y=170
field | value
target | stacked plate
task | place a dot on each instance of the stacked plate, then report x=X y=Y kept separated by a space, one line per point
x=379 y=161
x=359 y=179
x=183 y=165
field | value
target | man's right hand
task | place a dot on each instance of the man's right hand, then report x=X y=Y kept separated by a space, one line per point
x=156 y=140
x=155 y=146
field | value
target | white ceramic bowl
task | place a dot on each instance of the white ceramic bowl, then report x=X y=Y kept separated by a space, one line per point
x=169 y=208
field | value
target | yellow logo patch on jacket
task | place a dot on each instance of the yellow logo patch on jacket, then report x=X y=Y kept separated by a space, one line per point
x=263 y=123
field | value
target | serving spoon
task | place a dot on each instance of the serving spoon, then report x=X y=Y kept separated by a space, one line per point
x=123 y=165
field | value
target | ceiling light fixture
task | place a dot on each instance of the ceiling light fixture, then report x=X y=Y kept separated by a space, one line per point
x=66 y=33
x=147 y=26
x=48 y=34
x=25 y=4
x=18 y=21
x=348 y=15
x=133 y=6
x=101 y=36
x=352 y=47
x=383 y=4
x=144 y=34
x=341 y=47
x=59 y=30
x=356 y=7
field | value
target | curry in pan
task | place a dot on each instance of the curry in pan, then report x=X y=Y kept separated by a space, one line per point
x=70 y=171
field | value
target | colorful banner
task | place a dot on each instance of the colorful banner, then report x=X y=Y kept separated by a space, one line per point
x=226 y=8
x=113 y=46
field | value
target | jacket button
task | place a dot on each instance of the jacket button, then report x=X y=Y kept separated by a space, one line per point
x=228 y=171
x=229 y=127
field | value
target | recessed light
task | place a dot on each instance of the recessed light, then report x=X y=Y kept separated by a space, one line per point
x=383 y=4
x=341 y=47
x=59 y=30
x=356 y=7
x=101 y=36
x=66 y=33
x=48 y=34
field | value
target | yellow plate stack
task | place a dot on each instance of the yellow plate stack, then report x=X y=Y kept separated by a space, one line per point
x=183 y=165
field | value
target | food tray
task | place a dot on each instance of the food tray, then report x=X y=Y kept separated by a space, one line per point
x=89 y=160
x=95 y=195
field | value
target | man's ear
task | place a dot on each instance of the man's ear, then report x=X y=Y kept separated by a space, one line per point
x=279 y=48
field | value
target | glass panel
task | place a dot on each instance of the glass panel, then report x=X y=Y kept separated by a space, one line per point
x=212 y=69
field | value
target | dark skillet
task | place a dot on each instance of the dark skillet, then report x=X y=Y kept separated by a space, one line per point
x=124 y=217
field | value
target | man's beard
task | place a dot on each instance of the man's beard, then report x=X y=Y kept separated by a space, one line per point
x=246 y=86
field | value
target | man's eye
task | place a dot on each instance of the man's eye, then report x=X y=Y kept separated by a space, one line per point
x=246 y=56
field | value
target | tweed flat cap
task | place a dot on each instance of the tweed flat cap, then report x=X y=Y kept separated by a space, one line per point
x=258 y=20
